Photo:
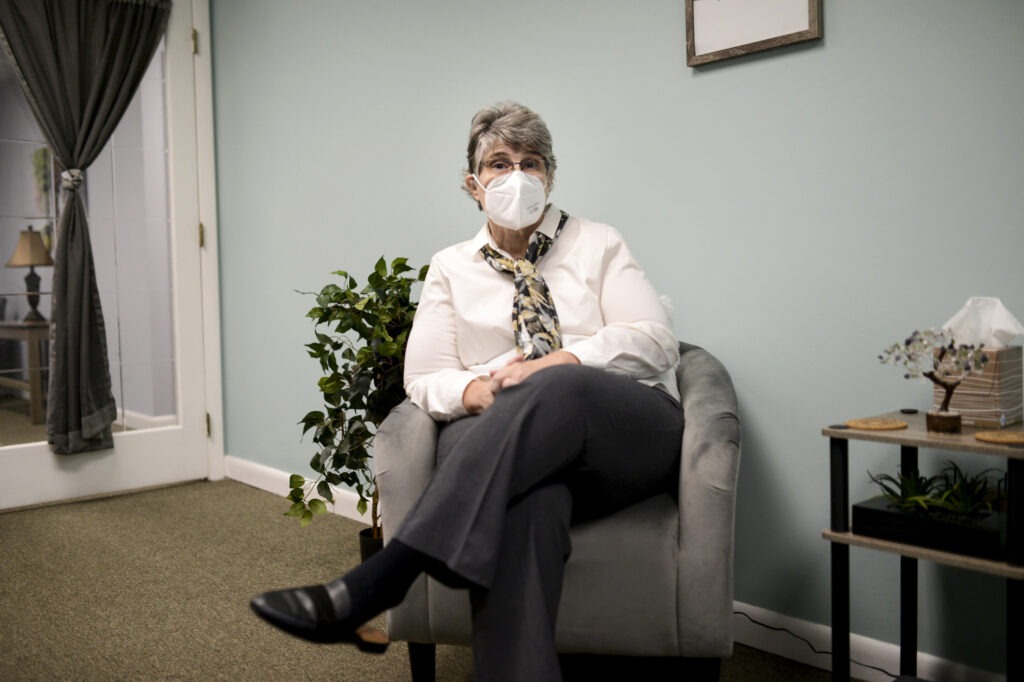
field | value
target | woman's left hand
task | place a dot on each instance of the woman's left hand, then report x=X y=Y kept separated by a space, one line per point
x=518 y=369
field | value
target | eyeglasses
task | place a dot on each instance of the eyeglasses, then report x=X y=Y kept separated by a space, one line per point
x=533 y=165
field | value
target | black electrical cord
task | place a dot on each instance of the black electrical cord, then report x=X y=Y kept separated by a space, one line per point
x=808 y=643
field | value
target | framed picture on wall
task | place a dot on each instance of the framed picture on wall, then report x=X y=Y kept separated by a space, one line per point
x=721 y=29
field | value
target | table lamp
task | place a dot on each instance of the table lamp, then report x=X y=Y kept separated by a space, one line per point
x=29 y=253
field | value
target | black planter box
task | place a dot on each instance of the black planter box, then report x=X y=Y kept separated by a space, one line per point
x=985 y=538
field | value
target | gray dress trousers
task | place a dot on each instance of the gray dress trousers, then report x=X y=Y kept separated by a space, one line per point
x=568 y=443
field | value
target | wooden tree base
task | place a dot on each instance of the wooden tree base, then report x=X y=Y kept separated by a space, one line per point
x=943 y=422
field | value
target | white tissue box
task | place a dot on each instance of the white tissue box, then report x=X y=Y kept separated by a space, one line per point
x=994 y=397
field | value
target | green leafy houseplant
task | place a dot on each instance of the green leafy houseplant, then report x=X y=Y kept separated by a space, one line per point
x=361 y=334
x=41 y=172
x=954 y=512
x=907 y=491
x=952 y=494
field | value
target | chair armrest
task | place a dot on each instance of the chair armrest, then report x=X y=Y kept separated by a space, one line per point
x=404 y=449
x=707 y=497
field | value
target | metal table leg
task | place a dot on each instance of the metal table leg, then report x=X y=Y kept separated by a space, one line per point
x=839 y=449
x=1015 y=556
x=908 y=586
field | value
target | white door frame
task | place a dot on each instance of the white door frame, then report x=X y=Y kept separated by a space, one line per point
x=206 y=167
x=31 y=474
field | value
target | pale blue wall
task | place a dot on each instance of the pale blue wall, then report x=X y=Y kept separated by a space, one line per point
x=803 y=208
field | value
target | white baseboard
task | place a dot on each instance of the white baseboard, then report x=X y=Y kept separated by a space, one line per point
x=872 y=652
x=276 y=481
x=864 y=650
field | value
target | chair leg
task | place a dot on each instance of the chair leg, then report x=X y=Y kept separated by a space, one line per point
x=422 y=659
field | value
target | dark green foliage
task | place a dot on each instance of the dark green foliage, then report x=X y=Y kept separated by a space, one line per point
x=968 y=495
x=952 y=493
x=909 y=491
x=360 y=345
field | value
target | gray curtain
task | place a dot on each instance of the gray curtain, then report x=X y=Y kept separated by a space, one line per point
x=79 y=63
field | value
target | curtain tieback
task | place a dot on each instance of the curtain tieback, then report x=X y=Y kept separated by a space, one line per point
x=72 y=179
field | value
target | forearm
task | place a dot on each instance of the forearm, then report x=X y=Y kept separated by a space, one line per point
x=637 y=349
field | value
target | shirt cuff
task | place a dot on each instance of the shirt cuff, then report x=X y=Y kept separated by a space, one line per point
x=440 y=395
x=587 y=354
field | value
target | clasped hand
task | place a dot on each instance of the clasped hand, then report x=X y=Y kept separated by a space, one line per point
x=479 y=394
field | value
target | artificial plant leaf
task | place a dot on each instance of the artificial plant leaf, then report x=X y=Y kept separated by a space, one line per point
x=400 y=265
x=311 y=420
x=323 y=488
x=389 y=349
x=330 y=384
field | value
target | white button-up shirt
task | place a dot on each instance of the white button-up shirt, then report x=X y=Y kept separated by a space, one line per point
x=610 y=315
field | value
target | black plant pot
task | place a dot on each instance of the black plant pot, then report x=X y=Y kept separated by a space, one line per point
x=984 y=537
x=369 y=545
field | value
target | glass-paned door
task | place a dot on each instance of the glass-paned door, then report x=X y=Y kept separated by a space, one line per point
x=27 y=204
x=141 y=198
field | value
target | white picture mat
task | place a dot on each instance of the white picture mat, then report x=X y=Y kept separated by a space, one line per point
x=722 y=24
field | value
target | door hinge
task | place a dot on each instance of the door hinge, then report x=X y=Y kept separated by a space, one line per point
x=195 y=42
x=202 y=235
x=209 y=426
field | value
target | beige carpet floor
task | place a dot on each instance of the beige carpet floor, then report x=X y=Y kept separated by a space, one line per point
x=155 y=586
x=15 y=424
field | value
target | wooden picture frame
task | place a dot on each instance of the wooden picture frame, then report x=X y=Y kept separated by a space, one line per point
x=722 y=29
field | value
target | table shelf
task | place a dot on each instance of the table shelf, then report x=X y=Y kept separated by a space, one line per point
x=917 y=435
x=997 y=568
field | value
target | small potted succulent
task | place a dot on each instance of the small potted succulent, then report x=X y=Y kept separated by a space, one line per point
x=361 y=335
x=953 y=511
x=935 y=355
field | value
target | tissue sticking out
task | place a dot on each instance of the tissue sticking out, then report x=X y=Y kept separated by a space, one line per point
x=984 y=321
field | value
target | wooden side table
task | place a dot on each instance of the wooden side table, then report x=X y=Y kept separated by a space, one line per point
x=840 y=535
x=34 y=334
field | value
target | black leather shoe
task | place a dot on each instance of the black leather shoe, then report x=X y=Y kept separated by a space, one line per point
x=309 y=613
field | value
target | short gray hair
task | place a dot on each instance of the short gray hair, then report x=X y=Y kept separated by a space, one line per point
x=514 y=125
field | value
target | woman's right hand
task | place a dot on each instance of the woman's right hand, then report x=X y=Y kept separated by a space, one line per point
x=478 y=395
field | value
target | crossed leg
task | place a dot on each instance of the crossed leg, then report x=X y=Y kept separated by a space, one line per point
x=495 y=516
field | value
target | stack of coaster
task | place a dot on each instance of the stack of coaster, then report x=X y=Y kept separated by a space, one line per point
x=877 y=424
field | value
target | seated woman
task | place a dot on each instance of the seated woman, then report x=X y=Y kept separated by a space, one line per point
x=547 y=354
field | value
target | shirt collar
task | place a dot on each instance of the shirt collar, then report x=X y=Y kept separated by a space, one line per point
x=548 y=225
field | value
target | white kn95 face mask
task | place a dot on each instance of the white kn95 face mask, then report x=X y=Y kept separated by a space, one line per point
x=515 y=200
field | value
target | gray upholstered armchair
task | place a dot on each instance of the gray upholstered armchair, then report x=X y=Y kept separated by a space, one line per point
x=654 y=579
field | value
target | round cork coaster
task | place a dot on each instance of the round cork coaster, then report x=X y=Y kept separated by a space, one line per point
x=1001 y=437
x=877 y=424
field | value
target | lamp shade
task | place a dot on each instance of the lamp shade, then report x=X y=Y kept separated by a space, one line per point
x=29 y=251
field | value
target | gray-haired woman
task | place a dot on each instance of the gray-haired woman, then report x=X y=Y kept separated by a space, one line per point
x=548 y=357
